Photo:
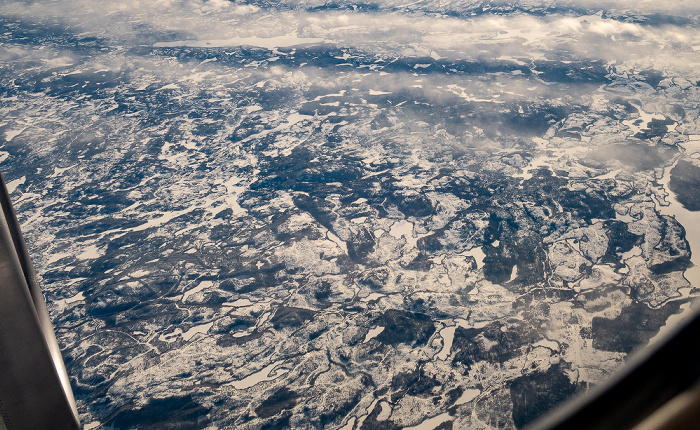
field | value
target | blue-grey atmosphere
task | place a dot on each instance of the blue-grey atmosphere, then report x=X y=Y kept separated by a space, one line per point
x=339 y=215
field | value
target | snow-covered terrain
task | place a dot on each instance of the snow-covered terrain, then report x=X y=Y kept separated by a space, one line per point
x=311 y=214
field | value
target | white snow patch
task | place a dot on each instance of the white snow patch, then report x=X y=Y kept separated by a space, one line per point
x=76 y=298
x=431 y=423
x=548 y=344
x=349 y=425
x=91 y=252
x=233 y=192
x=57 y=171
x=468 y=324
x=478 y=254
x=202 y=285
x=10 y=134
x=371 y=297
x=12 y=185
x=266 y=374
x=372 y=333
x=292 y=119
x=92 y=425
x=444 y=279
x=635 y=125
x=535 y=164
x=57 y=256
x=188 y=335
x=467 y=396
x=335 y=239
x=204 y=328
x=448 y=334
x=170 y=337
x=157 y=222
x=385 y=412
x=514 y=273
x=240 y=303
x=402 y=228
x=139 y=273
x=366 y=414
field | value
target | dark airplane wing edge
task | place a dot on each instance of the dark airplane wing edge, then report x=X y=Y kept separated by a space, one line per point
x=35 y=391
x=658 y=388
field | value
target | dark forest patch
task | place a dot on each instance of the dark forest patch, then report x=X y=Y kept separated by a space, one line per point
x=280 y=400
x=633 y=328
x=404 y=327
x=535 y=394
x=287 y=316
x=169 y=413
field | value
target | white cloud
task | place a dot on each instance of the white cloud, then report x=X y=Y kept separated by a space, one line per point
x=519 y=37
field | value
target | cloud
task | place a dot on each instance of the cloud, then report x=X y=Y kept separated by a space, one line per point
x=571 y=32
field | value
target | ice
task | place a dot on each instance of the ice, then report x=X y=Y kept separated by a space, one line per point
x=202 y=285
x=513 y=273
x=189 y=334
x=239 y=303
x=74 y=299
x=338 y=241
x=467 y=396
x=637 y=125
x=10 y=134
x=478 y=254
x=349 y=425
x=162 y=219
x=12 y=185
x=58 y=171
x=404 y=228
x=91 y=252
x=448 y=334
x=548 y=344
x=431 y=423
x=372 y=297
x=372 y=333
x=265 y=374
x=385 y=412
x=139 y=273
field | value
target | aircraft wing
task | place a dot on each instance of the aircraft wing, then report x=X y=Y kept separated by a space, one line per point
x=35 y=391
